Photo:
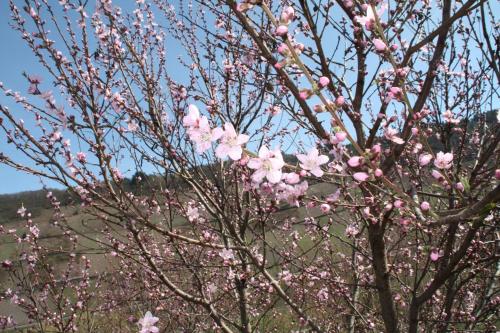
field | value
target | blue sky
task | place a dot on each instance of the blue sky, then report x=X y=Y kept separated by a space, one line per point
x=14 y=59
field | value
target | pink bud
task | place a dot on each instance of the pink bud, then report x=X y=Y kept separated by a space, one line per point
x=459 y=186
x=325 y=208
x=434 y=255
x=323 y=81
x=378 y=173
x=278 y=65
x=377 y=149
x=282 y=30
x=398 y=204
x=311 y=204
x=340 y=101
x=414 y=131
x=425 y=206
x=497 y=174
x=361 y=176
x=341 y=136
x=355 y=161
x=282 y=49
x=379 y=45
x=303 y=173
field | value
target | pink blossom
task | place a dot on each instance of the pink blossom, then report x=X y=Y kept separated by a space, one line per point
x=203 y=135
x=355 y=161
x=148 y=323
x=227 y=255
x=339 y=101
x=268 y=165
x=497 y=174
x=437 y=175
x=360 y=176
x=379 y=45
x=323 y=81
x=443 y=160
x=21 y=211
x=459 y=186
x=424 y=159
x=325 y=208
x=81 y=157
x=450 y=118
x=312 y=162
x=287 y=15
x=391 y=134
x=193 y=117
x=231 y=143
x=434 y=255
x=394 y=93
x=369 y=19
x=291 y=178
x=425 y=206
x=282 y=30
x=378 y=173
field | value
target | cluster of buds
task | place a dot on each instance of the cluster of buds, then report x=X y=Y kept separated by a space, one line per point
x=285 y=51
x=287 y=16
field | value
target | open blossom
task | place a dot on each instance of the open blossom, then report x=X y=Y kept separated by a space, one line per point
x=391 y=134
x=424 y=159
x=231 y=143
x=268 y=165
x=227 y=255
x=21 y=211
x=450 y=118
x=203 y=135
x=192 y=119
x=369 y=19
x=148 y=323
x=443 y=160
x=312 y=162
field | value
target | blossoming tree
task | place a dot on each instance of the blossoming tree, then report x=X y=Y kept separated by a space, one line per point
x=323 y=166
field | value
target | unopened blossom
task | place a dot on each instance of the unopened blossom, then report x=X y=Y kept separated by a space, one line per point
x=339 y=101
x=391 y=134
x=424 y=159
x=291 y=178
x=148 y=323
x=459 y=186
x=339 y=137
x=434 y=255
x=437 y=175
x=497 y=174
x=230 y=144
x=323 y=81
x=287 y=15
x=281 y=30
x=425 y=206
x=361 y=176
x=378 y=172
x=379 y=45
x=443 y=160
x=394 y=93
x=268 y=164
x=312 y=162
x=355 y=161
x=325 y=208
